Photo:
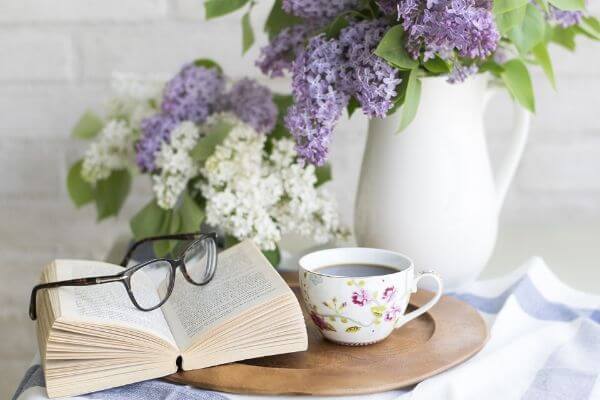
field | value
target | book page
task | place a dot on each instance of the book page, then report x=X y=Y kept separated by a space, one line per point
x=243 y=279
x=109 y=302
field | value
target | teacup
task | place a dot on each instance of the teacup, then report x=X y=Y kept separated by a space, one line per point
x=358 y=296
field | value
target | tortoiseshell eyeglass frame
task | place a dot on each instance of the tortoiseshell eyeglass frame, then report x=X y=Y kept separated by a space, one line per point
x=125 y=276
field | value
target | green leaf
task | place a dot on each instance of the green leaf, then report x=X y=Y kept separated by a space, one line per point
x=491 y=66
x=191 y=214
x=352 y=106
x=437 y=65
x=80 y=191
x=323 y=174
x=274 y=256
x=378 y=310
x=353 y=329
x=502 y=6
x=411 y=100
x=230 y=241
x=531 y=32
x=88 y=126
x=206 y=146
x=278 y=132
x=510 y=19
x=148 y=221
x=170 y=226
x=247 y=33
x=217 y=8
x=541 y=55
x=564 y=37
x=283 y=102
x=111 y=193
x=590 y=27
x=391 y=48
x=334 y=28
x=568 y=5
x=544 y=5
x=517 y=80
x=208 y=64
x=279 y=20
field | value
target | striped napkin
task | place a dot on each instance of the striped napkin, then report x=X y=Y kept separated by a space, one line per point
x=544 y=344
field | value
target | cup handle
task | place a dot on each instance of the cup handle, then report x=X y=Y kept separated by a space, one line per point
x=425 y=307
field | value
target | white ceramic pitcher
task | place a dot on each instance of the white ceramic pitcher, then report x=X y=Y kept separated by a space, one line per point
x=429 y=191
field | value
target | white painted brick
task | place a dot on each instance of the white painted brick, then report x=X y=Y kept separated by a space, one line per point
x=194 y=10
x=570 y=109
x=188 y=9
x=573 y=168
x=35 y=56
x=582 y=62
x=58 y=229
x=550 y=209
x=47 y=111
x=81 y=10
x=134 y=49
x=29 y=168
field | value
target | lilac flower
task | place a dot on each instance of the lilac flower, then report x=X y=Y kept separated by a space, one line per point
x=192 y=94
x=155 y=130
x=442 y=26
x=461 y=72
x=253 y=104
x=318 y=99
x=279 y=54
x=312 y=9
x=564 y=18
x=368 y=77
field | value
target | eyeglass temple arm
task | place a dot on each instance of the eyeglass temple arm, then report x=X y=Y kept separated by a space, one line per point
x=71 y=282
x=178 y=236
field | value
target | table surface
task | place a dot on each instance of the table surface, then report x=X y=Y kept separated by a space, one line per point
x=571 y=251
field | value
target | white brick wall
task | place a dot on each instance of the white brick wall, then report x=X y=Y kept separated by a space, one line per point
x=57 y=57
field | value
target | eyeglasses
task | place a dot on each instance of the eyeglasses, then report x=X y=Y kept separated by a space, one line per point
x=198 y=263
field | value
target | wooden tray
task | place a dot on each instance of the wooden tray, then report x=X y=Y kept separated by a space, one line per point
x=448 y=334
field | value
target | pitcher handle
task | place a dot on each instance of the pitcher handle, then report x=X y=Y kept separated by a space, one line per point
x=508 y=166
x=425 y=307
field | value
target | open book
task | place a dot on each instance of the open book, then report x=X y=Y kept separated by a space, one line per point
x=93 y=338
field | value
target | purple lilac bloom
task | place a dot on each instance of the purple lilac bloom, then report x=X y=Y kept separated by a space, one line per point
x=192 y=94
x=461 y=72
x=564 y=18
x=155 y=130
x=368 y=77
x=279 y=54
x=312 y=9
x=253 y=104
x=442 y=26
x=318 y=101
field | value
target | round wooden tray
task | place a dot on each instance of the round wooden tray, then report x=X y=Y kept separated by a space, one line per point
x=448 y=334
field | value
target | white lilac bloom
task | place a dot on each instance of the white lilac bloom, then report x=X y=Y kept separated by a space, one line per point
x=134 y=98
x=304 y=209
x=254 y=195
x=240 y=190
x=112 y=150
x=175 y=165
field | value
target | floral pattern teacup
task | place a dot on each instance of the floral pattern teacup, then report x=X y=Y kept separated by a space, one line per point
x=360 y=308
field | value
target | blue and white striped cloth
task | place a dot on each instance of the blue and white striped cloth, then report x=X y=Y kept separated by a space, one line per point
x=544 y=344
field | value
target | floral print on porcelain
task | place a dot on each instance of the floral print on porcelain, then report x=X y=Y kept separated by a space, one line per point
x=363 y=307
